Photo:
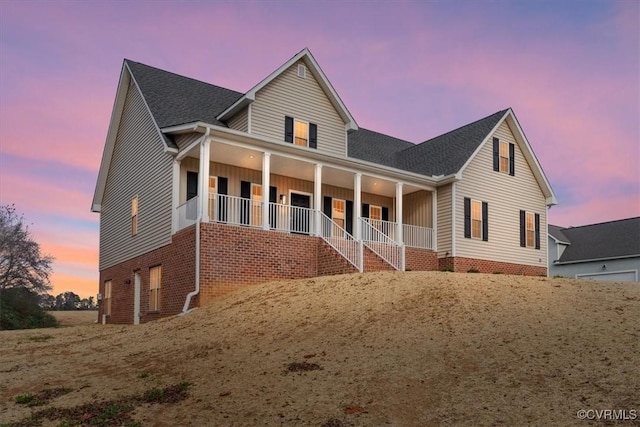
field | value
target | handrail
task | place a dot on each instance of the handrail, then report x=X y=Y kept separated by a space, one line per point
x=340 y=240
x=380 y=243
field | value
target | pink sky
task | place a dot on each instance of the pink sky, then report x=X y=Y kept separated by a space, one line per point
x=412 y=70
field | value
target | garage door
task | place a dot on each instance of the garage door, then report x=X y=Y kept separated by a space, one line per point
x=614 y=276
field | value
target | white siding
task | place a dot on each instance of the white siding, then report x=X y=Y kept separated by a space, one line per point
x=240 y=121
x=303 y=99
x=506 y=195
x=185 y=139
x=444 y=221
x=139 y=167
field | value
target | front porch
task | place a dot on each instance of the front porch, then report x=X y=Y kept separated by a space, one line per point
x=352 y=211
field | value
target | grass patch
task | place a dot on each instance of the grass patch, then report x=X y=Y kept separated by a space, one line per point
x=117 y=412
x=41 y=398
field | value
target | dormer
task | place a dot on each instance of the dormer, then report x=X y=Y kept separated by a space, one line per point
x=295 y=104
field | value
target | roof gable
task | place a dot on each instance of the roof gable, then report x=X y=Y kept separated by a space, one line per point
x=614 y=239
x=555 y=232
x=313 y=67
x=448 y=153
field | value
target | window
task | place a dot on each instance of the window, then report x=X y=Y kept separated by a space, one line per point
x=476 y=222
x=503 y=156
x=213 y=181
x=476 y=219
x=256 y=205
x=106 y=300
x=155 y=280
x=134 y=216
x=337 y=213
x=529 y=230
x=301 y=133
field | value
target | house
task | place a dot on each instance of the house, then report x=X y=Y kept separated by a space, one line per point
x=604 y=251
x=203 y=189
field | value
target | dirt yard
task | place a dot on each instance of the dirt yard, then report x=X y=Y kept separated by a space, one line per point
x=400 y=349
x=74 y=318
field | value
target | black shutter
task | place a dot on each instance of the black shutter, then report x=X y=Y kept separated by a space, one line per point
x=523 y=229
x=273 y=207
x=385 y=214
x=365 y=210
x=512 y=160
x=313 y=135
x=496 y=154
x=222 y=201
x=327 y=207
x=245 y=205
x=537 y=219
x=288 y=129
x=192 y=185
x=485 y=221
x=467 y=217
x=348 y=217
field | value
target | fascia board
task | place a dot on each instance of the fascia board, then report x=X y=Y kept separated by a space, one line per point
x=114 y=126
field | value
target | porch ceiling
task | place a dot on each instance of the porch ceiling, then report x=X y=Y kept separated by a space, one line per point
x=287 y=166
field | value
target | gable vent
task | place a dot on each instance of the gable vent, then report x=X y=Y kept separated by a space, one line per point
x=302 y=71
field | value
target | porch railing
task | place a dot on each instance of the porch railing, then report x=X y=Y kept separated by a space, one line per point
x=380 y=243
x=241 y=211
x=187 y=213
x=418 y=237
x=340 y=240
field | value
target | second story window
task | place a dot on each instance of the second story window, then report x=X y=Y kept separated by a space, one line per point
x=504 y=156
x=301 y=133
x=301 y=136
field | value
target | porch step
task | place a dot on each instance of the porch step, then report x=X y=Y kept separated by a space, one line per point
x=330 y=262
x=373 y=262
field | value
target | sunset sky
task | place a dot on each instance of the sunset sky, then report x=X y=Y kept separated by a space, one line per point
x=569 y=69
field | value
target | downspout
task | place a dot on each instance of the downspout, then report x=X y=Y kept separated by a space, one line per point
x=196 y=291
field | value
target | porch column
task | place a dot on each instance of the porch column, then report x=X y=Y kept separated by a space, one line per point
x=434 y=220
x=317 y=199
x=399 y=228
x=175 y=194
x=203 y=181
x=266 y=182
x=357 y=206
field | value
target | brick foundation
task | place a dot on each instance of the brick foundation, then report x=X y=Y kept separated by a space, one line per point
x=463 y=265
x=331 y=263
x=232 y=257
x=178 y=279
x=420 y=259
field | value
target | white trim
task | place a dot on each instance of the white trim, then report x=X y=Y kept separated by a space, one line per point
x=434 y=219
x=596 y=259
x=249 y=114
x=317 y=194
x=453 y=219
x=137 y=284
x=175 y=194
x=302 y=193
x=582 y=275
x=399 y=202
x=266 y=184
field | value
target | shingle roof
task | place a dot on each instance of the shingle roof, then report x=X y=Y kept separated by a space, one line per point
x=442 y=155
x=604 y=240
x=447 y=153
x=375 y=147
x=175 y=100
x=556 y=232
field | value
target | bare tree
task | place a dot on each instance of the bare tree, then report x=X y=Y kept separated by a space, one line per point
x=21 y=263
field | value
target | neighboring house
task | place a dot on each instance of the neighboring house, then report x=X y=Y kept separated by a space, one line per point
x=203 y=189
x=605 y=251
